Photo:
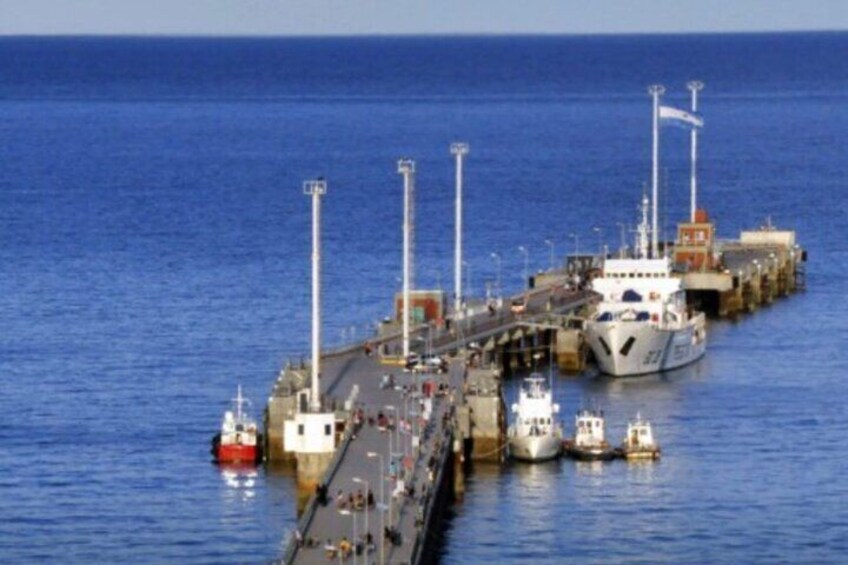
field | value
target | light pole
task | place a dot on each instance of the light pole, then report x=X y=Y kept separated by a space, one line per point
x=623 y=240
x=550 y=244
x=655 y=90
x=406 y=167
x=467 y=266
x=600 y=233
x=459 y=150
x=367 y=510
x=316 y=189
x=353 y=537
x=694 y=86
x=396 y=412
x=382 y=475
x=576 y=239
x=497 y=259
x=523 y=250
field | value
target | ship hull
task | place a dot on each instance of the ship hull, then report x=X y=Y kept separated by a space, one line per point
x=237 y=454
x=590 y=453
x=535 y=448
x=635 y=348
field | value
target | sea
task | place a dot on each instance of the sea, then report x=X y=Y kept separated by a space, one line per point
x=155 y=254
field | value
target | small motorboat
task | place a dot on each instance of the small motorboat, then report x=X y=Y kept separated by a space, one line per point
x=589 y=443
x=639 y=443
x=239 y=440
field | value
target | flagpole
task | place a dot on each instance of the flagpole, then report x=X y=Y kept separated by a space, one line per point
x=655 y=90
x=694 y=86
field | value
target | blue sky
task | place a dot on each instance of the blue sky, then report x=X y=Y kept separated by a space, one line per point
x=355 y=17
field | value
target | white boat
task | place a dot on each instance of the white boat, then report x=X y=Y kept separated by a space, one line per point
x=642 y=324
x=589 y=442
x=639 y=443
x=535 y=434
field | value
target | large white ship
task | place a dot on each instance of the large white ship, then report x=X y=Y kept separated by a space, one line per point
x=642 y=324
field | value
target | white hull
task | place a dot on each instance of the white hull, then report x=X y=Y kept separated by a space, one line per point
x=652 y=350
x=535 y=448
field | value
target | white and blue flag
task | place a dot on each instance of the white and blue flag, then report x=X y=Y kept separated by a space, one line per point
x=678 y=117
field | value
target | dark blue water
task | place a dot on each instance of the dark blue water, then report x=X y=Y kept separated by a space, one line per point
x=154 y=246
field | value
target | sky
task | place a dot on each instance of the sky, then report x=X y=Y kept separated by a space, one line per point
x=367 y=17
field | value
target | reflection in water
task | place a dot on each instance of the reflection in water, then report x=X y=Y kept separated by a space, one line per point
x=240 y=481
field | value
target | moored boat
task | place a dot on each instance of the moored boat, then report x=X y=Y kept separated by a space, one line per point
x=535 y=434
x=589 y=442
x=643 y=324
x=639 y=443
x=239 y=440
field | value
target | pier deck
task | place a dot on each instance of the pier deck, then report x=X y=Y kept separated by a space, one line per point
x=326 y=526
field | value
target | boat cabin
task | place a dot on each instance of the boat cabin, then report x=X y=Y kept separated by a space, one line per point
x=639 y=434
x=589 y=428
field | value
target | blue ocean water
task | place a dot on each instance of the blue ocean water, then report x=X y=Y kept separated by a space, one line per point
x=154 y=244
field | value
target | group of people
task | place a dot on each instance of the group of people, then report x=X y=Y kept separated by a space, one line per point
x=346 y=547
x=354 y=501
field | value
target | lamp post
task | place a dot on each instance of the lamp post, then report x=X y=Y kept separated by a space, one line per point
x=526 y=253
x=550 y=244
x=497 y=259
x=316 y=189
x=382 y=475
x=655 y=90
x=576 y=239
x=694 y=86
x=353 y=537
x=406 y=167
x=600 y=233
x=459 y=150
x=367 y=491
x=467 y=266
x=623 y=240
x=396 y=412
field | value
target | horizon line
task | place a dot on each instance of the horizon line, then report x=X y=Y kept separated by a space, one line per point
x=402 y=35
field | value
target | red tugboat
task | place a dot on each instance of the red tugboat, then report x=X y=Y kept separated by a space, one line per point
x=239 y=440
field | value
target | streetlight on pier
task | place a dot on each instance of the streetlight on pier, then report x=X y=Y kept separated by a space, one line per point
x=526 y=253
x=576 y=239
x=694 y=86
x=367 y=492
x=459 y=150
x=382 y=475
x=623 y=246
x=353 y=537
x=497 y=259
x=316 y=189
x=550 y=244
x=467 y=266
x=600 y=233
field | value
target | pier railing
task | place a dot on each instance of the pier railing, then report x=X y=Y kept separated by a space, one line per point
x=433 y=493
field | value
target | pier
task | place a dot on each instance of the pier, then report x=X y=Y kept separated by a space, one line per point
x=378 y=430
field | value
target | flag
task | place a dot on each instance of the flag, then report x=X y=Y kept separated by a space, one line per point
x=676 y=116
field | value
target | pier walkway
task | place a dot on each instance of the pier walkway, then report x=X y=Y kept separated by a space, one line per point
x=382 y=459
